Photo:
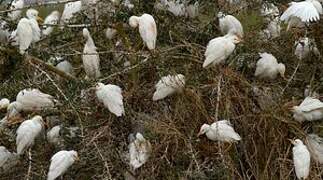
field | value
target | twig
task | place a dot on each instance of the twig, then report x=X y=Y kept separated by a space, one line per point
x=29 y=167
x=218 y=98
x=104 y=160
x=292 y=77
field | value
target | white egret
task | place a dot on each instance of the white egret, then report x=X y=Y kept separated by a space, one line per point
x=169 y=85
x=220 y=131
x=315 y=146
x=304 y=46
x=111 y=96
x=268 y=67
x=269 y=10
x=219 y=49
x=7 y=159
x=60 y=162
x=4 y=103
x=230 y=25
x=34 y=100
x=4 y=155
x=90 y=57
x=301 y=158
x=66 y=67
x=27 y=133
x=28 y=31
x=310 y=109
x=51 y=19
x=70 y=9
x=192 y=10
x=16 y=9
x=147 y=29
x=307 y=11
x=139 y=151
x=53 y=136
x=4 y=32
x=272 y=30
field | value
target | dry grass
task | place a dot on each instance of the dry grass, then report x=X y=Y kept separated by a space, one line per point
x=172 y=124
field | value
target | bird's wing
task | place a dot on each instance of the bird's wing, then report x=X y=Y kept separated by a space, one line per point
x=302 y=161
x=148 y=31
x=32 y=99
x=70 y=9
x=60 y=162
x=310 y=104
x=306 y=11
x=35 y=29
x=225 y=130
x=113 y=99
x=217 y=50
x=164 y=88
x=26 y=133
x=24 y=34
x=235 y=25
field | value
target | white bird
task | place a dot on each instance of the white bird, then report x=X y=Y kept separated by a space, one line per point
x=28 y=31
x=310 y=109
x=90 y=57
x=301 y=158
x=53 y=136
x=4 y=155
x=27 y=133
x=110 y=33
x=13 y=111
x=230 y=25
x=306 y=11
x=18 y=5
x=4 y=32
x=66 y=67
x=315 y=146
x=169 y=85
x=219 y=49
x=7 y=159
x=70 y=9
x=192 y=10
x=60 y=162
x=304 y=46
x=128 y=4
x=51 y=19
x=139 y=151
x=4 y=103
x=147 y=29
x=34 y=100
x=220 y=131
x=269 y=9
x=111 y=96
x=268 y=67
x=176 y=8
x=272 y=30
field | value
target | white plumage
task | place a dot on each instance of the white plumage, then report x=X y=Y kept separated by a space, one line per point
x=273 y=29
x=60 y=162
x=269 y=10
x=304 y=46
x=27 y=133
x=268 y=67
x=111 y=96
x=306 y=11
x=66 y=67
x=302 y=159
x=147 y=29
x=4 y=155
x=70 y=9
x=220 y=131
x=16 y=4
x=13 y=110
x=230 y=25
x=310 y=109
x=90 y=57
x=139 y=151
x=53 y=136
x=27 y=31
x=110 y=33
x=51 y=19
x=4 y=103
x=169 y=85
x=34 y=100
x=219 y=49
x=315 y=146
x=7 y=159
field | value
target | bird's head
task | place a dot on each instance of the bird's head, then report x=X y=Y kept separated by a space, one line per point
x=281 y=70
x=86 y=33
x=33 y=14
x=204 y=129
x=140 y=137
x=221 y=15
x=134 y=21
x=56 y=13
x=296 y=142
x=13 y=109
x=40 y=120
x=75 y=156
x=99 y=85
x=237 y=39
x=4 y=103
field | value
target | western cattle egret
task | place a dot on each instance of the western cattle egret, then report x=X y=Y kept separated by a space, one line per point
x=34 y=100
x=147 y=29
x=306 y=11
x=273 y=29
x=268 y=67
x=18 y=5
x=110 y=33
x=192 y=10
x=139 y=151
x=169 y=85
x=70 y=9
x=309 y=91
x=53 y=136
x=269 y=10
x=7 y=159
x=27 y=133
x=304 y=46
x=219 y=49
x=66 y=67
x=60 y=162
x=111 y=96
x=301 y=158
x=315 y=146
x=310 y=109
x=90 y=57
x=28 y=31
x=51 y=19
x=176 y=7
x=4 y=103
x=4 y=31
x=13 y=110
x=230 y=25
x=220 y=131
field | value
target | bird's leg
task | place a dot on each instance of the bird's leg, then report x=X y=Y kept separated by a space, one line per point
x=229 y=147
x=29 y=167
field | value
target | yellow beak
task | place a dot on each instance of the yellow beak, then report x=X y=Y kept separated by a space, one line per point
x=40 y=20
